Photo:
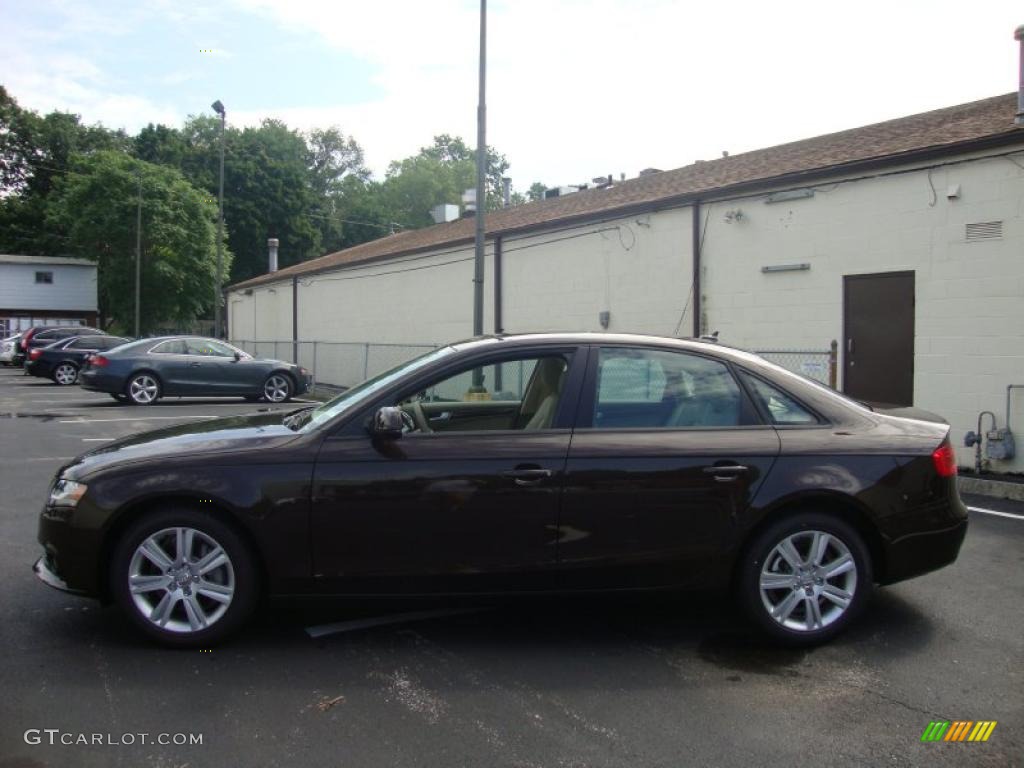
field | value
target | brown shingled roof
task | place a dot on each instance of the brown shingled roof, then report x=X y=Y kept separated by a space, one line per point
x=988 y=119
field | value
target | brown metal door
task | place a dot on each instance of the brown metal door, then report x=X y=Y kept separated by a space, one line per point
x=878 y=351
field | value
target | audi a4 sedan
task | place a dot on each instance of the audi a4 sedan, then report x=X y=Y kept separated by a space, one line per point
x=519 y=464
x=61 y=361
x=189 y=366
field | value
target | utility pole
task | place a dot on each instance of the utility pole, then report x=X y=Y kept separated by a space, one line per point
x=219 y=109
x=138 y=253
x=481 y=173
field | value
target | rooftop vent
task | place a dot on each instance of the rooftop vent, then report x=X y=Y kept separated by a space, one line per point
x=444 y=213
x=649 y=171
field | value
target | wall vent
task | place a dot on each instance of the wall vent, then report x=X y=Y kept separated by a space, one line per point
x=984 y=230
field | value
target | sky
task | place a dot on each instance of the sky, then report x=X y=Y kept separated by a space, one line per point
x=575 y=88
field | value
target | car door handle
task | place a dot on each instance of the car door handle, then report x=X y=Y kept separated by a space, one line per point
x=193 y=365
x=443 y=416
x=527 y=476
x=725 y=473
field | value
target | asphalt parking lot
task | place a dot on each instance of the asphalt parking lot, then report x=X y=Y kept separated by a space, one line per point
x=599 y=682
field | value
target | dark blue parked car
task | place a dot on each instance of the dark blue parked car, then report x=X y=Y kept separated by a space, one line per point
x=144 y=371
x=62 y=360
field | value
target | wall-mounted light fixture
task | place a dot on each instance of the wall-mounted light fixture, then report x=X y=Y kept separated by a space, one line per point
x=786 y=267
x=791 y=194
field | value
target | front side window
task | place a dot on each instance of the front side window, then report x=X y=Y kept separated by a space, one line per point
x=782 y=408
x=521 y=394
x=648 y=388
x=208 y=348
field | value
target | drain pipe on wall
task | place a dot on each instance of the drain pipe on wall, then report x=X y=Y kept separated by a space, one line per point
x=695 y=287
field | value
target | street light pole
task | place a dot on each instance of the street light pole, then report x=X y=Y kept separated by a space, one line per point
x=481 y=168
x=138 y=254
x=218 y=107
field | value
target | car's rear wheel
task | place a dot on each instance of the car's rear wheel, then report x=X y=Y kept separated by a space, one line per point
x=65 y=374
x=805 y=578
x=143 y=389
x=278 y=388
x=183 y=577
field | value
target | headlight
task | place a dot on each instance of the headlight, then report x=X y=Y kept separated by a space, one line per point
x=66 y=493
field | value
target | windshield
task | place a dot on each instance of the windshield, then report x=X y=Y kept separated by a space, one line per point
x=360 y=393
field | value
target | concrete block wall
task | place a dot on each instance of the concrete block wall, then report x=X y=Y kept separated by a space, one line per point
x=969 y=309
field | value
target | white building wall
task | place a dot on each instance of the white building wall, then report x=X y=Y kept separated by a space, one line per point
x=969 y=313
x=73 y=287
x=637 y=268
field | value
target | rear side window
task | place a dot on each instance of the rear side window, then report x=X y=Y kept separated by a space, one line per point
x=172 y=347
x=645 y=388
x=780 y=407
x=86 y=342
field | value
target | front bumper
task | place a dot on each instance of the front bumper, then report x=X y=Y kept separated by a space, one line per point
x=44 y=571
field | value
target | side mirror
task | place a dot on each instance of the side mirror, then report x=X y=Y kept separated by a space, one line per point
x=388 y=423
x=238 y=356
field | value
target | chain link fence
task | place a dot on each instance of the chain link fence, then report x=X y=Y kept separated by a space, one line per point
x=340 y=365
x=817 y=364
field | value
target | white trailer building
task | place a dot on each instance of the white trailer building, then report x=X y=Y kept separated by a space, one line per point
x=43 y=290
x=903 y=241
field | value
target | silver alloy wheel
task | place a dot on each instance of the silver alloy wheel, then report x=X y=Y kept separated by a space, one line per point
x=181 y=580
x=277 y=388
x=143 y=389
x=65 y=374
x=808 y=580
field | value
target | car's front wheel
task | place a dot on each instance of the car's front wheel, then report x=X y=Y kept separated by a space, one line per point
x=65 y=374
x=183 y=577
x=143 y=389
x=278 y=388
x=805 y=578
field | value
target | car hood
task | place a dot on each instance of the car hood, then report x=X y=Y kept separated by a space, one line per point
x=232 y=434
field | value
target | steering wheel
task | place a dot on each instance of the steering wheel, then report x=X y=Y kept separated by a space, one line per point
x=419 y=417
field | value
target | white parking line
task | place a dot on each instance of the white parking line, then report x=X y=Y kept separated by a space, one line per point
x=131 y=418
x=994 y=512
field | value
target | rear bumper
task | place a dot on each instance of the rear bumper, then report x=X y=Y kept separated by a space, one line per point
x=37 y=368
x=98 y=381
x=921 y=553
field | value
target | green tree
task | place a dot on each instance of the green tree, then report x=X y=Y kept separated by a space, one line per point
x=536 y=191
x=96 y=204
x=35 y=152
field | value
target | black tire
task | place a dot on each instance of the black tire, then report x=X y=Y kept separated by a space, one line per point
x=804 y=588
x=240 y=562
x=140 y=383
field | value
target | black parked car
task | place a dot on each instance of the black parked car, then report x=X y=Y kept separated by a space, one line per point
x=62 y=360
x=144 y=371
x=44 y=335
x=540 y=463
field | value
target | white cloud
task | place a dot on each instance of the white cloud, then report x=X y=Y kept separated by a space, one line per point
x=577 y=89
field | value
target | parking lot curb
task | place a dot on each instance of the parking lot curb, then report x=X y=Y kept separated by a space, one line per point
x=995 y=489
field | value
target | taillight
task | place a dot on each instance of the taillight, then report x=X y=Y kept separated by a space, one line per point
x=35 y=354
x=99 y=361
x=27 y=338
x=944 y=459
